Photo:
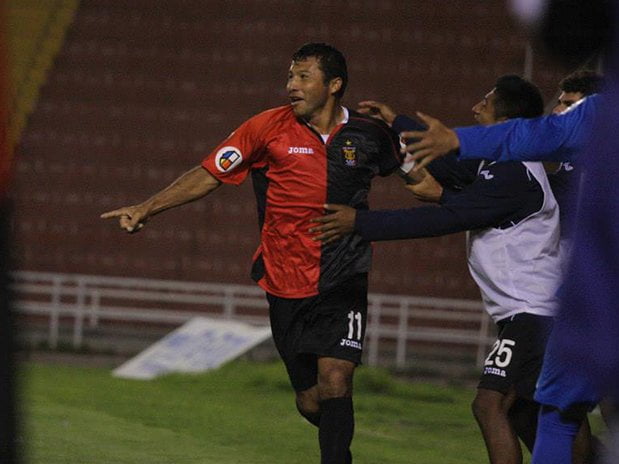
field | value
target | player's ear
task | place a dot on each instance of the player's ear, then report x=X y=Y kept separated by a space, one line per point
x=335 y=85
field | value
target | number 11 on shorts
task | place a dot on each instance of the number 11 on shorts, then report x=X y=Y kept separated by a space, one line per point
x=352 y=317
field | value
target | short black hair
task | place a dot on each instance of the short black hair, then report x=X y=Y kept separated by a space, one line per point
x=517 y=98
x=331 y=60
x=586 y=82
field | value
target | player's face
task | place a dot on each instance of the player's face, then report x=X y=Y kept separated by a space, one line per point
x=484 y=111
x=566 y=99
x=306 y=87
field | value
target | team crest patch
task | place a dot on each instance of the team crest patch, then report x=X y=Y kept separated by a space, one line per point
x=228 y=158
x=350 y=154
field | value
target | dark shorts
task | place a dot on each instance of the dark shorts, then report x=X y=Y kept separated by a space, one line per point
x=517 y=355
x=330 y=324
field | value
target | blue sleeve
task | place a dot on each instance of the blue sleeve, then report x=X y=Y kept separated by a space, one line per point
x=548 y=138
x=500 y=194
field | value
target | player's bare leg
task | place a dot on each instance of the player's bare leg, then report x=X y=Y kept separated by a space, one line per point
x=490 y=411
x=334 y=378
x=333 y=396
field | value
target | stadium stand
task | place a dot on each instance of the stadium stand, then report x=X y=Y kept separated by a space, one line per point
x=36 y=34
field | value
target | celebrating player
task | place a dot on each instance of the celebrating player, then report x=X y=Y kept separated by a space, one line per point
x=300 y=156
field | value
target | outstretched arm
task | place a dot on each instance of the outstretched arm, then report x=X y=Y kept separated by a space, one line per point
x=194 y=184
x=502 y=194
x=342 y=219
x=549 y=138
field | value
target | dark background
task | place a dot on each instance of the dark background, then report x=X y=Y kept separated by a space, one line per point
x=143 y=89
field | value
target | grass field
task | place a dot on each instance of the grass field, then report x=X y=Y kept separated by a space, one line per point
x=242 y=413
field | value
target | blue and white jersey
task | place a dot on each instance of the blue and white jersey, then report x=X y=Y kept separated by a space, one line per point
x=514 y=222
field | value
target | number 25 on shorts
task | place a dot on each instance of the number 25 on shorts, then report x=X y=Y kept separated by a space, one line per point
x=501 y=353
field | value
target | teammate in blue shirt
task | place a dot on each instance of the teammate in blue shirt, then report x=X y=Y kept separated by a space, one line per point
x=557 y=137
x=564 y=175
x=565 y=396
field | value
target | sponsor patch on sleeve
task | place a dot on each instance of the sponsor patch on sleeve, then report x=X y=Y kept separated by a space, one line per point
x=227 y=158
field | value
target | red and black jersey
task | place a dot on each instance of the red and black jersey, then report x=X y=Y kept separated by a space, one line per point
x=294 y=174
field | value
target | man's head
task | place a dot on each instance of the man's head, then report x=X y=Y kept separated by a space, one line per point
x=512 y=97
x=577 y=86
x=317 y=74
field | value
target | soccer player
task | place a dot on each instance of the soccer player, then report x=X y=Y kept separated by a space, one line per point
x=565 y=433
x=575 y=87
x=562 y=176
x=513 y=223
x=300 y=156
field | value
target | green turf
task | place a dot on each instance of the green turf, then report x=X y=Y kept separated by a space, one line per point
x=241 y=413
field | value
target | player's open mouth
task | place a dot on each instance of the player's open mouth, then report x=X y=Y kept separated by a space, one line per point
x=295 y=100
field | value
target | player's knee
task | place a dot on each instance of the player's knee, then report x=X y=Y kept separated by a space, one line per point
x=311 y=415
x=308 y=406
x=476 y=409
x=307 y=401
x=334 y=383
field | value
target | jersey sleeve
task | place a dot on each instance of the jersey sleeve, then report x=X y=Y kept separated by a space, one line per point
x=548 y=138
x=499 y=192
x=390 y=157
x=232 y=159
x=405 y=123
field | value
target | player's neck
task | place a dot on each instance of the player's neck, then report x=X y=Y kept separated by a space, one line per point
x=325 y=120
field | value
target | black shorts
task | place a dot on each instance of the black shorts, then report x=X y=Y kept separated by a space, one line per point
x=330 y=324
x=517 y=355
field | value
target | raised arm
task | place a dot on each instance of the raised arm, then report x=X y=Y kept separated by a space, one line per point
x=557 y=137
x=501 y=193
x=194 y=184
x=550 y=138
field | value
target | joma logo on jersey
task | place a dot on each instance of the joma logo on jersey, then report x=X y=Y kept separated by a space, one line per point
x=350 y=154
x=300 y=150
x=486 y=174
x=351 y=343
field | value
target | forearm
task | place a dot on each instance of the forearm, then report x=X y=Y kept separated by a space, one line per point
x=459 y=211
x=194 y=184
x=409 y=223
x=522 y=140
x=550 y=138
